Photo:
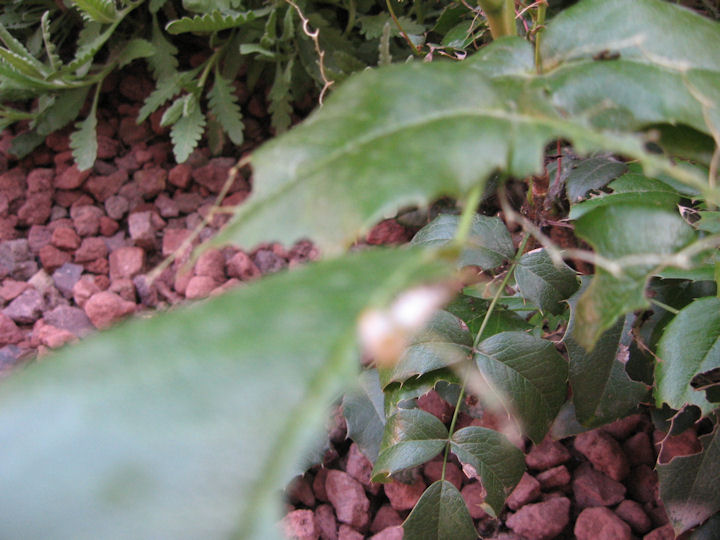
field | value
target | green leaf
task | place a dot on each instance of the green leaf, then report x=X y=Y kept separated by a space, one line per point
x=489 y=244
x=19 y=49
x=210 y=404
x=187 y=130
x=211 y=22
x=83 y=140
x=497 y=462
x=529 y=376
x=618 y=231
x=443 y=342
x=472 y=312
x=403 y=395
x=25 y=143
x=709 y=530
x=632 y=187
x=602 y=390
x=22 y=64
x=223 y=104
x=64 y=110
x=688 y=485
x=164 y=62
x=102 y=11
x=279 y=95
x=363 y=409
x=428 y=130
x=440 y=514
x=165 y=90
x=50 y=50
x=690 y=346
x=592 y=173
x=412 y=437
x=156 y=5
x=543 y=283
x=134 y=49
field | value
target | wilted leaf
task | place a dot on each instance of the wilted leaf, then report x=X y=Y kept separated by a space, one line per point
x=412 y=437
x=530 y=376
x=690 y=346
x=498 y=463
x=185 y=425
x=489 y=244
x=688 y=485
x=602 y=390
x=543 y=283
x=440 y=514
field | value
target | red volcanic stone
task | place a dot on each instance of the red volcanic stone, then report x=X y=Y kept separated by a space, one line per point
x=642 y=484
x=213 y=175
x=105 y=308
x=166 y=207
x=36 y=210
x=9 y=332
x=107 y=147
x=604 y=452
x=684 y=444
x=526 y=491
x=116 y=206
x=38 y=236
x=71 y=178
x=474 y=496
x=12 y=289
x=300 y=525
x=90 y=249
x=86 y=219
x=180 y=175
x=319 y=484
x=187 y=202
x=141 y=227
x=300 y=491
x=27 y=307
x=553 y=478
x=348 y=498
x=150 y=181
x=104 y=187
x=404 y=496
x=634 y=515
x=599 y=522
x=358 y=466
x=83 y=289
x=665 y=532
x=385 y=517
x=52 y=258
x=592 y=488
x=50 y=336
x=325 y=522
x=547 y=454
x=173 y=239
x=126 y=262
x=199 y=287
x=241 y=266
x=622 y=428
x=211 y=263
x=40 y=180
x=108 y=226
x=433 y=472
x=124 y=288
x=98 y=266
x=435 y=405
x=541 y=521
x=391 y=533
x=65 y=238
x=131 y=133
x=348 y=533
x=639 y=450
x=387 y=232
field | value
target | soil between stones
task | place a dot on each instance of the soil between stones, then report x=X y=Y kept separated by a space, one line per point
x=75 y=248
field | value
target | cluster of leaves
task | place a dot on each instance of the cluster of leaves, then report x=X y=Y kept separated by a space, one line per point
x=271 y=42
x=188 y=424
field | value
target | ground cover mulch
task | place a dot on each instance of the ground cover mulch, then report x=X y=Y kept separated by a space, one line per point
x=75 y=250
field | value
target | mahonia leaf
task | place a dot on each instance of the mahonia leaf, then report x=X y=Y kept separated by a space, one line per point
x=102 y=11
x=83 y=142
x=223 y=104
x=543 y=283
x=211 y=22
x=363 y=409
x=440 y=514
x=591 y=173
x=279 y=96
x=187 y=131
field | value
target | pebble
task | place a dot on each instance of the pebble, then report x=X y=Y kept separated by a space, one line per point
x=593 y=488
x=541 y=521
x=126 y=262
x=404 y=496
x=604 y=452
x=348 y=498
x=601 y=523
x=26 y=308
x=546 y=455
x=105 y=308
x=300 y=525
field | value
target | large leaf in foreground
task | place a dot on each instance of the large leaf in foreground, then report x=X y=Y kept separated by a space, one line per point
x=411 y=438
x=363 y=408
x=688 y=485
x=646 y=234
x=529 y=375
x=186 y=425
x=498 y=463
x=440 y=514
x=543 y=283
x=690 y=346
x=425 y=130
x=602 y=390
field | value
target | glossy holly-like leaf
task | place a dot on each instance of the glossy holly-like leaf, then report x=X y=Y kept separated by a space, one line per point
x=633 y=187
x=443 y=342
x=473 y=310
x=440 y=514
x=427 y=130
x=543 y=283
x=364 y=411
x=210 y=22
x=602 y=389
x=497 y=462
x=688 y=485
x=617 y=231
x=488 y=246
x=187 y=424
x=709 y=530
x=529 y=376
x=412 y=437
x=689 y=347
x=591 y=173
x=403 y=395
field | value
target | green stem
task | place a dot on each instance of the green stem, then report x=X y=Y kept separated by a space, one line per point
x=466 y=219
x=415 y=50
x=538 y=30
x=352 y=11
x=664 y=306
x=501 y=17
x=486 y=319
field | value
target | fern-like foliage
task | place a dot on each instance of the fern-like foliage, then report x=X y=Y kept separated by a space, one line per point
x=279 y=96
x=163 y=63
x=50 y=50
x=223 y=105
x=210 y=22
x=101 y=11
x=83 y=140
x=187 y=131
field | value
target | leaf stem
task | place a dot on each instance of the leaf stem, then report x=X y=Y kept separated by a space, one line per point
x=483 y=325
x=404 y=34
x=501 y=17
x=664 y=306
x=538 y=29
x=466 y=218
